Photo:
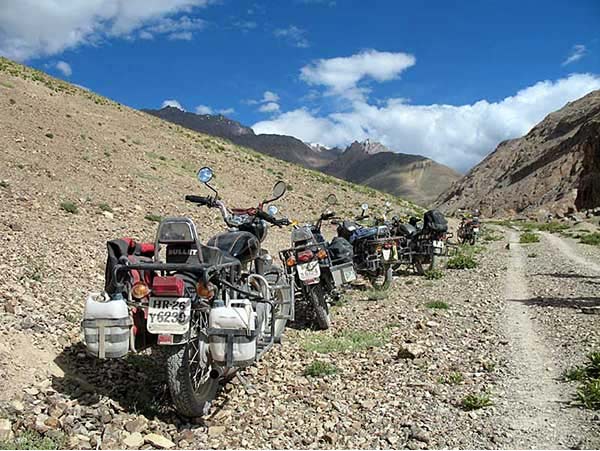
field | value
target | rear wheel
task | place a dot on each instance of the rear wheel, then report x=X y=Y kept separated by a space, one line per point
x=317 y=299
x=383 y=281
x=188 y=373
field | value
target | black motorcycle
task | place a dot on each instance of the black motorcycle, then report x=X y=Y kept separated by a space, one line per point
x=320 y=269
x=420 y=245
x=374 y=249
x=468 y=230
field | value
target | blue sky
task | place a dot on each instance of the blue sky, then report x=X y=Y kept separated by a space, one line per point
x=446 y=79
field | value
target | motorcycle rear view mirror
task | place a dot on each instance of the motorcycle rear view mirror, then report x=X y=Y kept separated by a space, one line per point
x=205 y=175
x=279 y=190
x=365 y=207
x=331 y=199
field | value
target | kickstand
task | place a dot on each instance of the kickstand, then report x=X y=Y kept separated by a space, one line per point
x=247 y=385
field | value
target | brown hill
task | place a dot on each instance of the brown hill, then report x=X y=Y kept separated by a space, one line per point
x=76 y=170
x=555 y=168
x=410 y=176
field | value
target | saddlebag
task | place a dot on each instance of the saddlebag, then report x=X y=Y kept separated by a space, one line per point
x=106 y=326
x=341 y=251
x=434 y=221
x=124 y=248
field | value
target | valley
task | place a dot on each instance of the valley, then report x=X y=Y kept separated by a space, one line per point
x=461 y=358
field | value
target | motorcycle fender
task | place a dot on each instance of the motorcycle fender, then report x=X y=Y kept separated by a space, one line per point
x=172 y=340
x=311 y=281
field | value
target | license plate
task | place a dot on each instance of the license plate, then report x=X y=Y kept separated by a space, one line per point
x=476 y=229
x=169 y=315
x=349 y=275
x=309 y=271
x=438 y=244
x=386 y=253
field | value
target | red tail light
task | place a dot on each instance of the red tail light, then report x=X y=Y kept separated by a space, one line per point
x=168 y=286
x=387 y=245
x=305 y=256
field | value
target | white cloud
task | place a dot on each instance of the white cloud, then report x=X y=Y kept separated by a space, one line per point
x=35 y=28
x=269 y=107
x=342 y=75
x=270 y=96
x=204 y=109
x=65 y=68
x=458 y=136
x=172 y=102
x=181 y=36
x=577 y=52
x=294 y=35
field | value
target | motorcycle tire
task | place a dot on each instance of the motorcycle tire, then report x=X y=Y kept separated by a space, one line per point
x=384 y=285
x=473 y=241
x=189 y=401
x=420 y=267
x=320 y=307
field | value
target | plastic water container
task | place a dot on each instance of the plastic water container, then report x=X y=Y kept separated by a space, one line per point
x=234 y=325
x=106 y=326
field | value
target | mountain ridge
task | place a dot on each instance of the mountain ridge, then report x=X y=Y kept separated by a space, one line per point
x=360 y=162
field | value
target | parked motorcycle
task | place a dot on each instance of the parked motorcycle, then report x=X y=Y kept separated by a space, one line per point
x=421 y=245
x=374 y=249
x=319 y=269
x=213 y=308
x=468 y=230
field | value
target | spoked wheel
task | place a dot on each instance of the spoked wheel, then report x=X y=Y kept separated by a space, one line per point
x=317 y=299
x=189 y=376
x=383 y=280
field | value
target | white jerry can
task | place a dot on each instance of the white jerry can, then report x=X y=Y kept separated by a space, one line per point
x=238 y=325
x=106 y=326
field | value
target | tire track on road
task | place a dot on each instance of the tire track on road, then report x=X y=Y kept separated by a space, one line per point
x=533 y=394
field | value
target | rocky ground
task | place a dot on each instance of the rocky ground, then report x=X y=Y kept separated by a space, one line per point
x=402 y=384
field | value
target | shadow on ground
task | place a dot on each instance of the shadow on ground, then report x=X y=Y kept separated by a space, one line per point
x=136 y=383
x=569 y=275
x=555 y=302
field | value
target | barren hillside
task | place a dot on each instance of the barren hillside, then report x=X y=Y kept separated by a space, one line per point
x=554 y=168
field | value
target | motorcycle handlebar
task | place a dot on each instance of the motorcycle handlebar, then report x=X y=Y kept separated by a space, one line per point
x=271 y=219
x=200 y=200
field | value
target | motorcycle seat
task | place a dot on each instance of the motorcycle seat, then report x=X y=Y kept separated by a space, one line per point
x=362 y=233
x=407 y=230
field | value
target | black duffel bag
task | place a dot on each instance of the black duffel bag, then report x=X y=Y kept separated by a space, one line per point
x=340 y=250
x=435 y=221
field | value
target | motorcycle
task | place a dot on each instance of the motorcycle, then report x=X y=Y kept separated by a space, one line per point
x=421 y=245
x=213 y=308
x=468 y=230
x=318 y=268
x=374 y=249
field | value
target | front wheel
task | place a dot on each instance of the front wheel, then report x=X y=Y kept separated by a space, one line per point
x=191 y=385
x=382 y=282
x=320 y=307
